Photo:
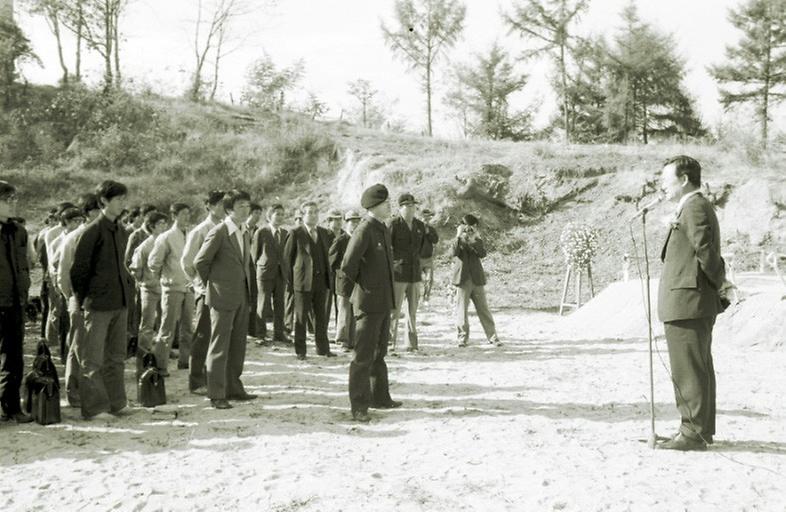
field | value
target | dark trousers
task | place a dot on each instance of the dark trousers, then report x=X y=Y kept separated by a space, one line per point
x=289 y=310
x=693 y=374
x=271 y=297
x=368 y=372
x=256 y=323
x=44 y=296
x=199 y=344
x=101 y=359
x=227 y=352
x=135 y=313
x=12 y=333
x=311 y=303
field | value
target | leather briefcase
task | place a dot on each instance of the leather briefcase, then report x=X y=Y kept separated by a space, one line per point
x=46 y=402
x=43 y=388
x=151 y=390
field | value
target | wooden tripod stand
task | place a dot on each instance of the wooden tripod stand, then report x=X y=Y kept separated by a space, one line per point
x=569 y=272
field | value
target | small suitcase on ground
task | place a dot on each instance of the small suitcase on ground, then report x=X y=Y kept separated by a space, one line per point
x=46 y=402
x=151 y=390
x=43 y=388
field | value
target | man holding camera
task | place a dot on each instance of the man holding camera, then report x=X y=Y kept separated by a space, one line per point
x=470 y=280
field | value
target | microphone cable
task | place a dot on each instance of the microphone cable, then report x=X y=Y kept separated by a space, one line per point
x=648 y=315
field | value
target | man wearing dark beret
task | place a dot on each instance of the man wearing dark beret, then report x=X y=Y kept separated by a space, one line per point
x=368 y=279
x=407 y=236
x=470 y=280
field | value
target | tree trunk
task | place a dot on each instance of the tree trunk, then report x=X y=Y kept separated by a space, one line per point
x=116 y=36
x=428 y=95
x=644 y=133
x=79 y=26
x=221 y=33
x=56 y=31
x=563 y=72
x=108 y=38
x=765 y=100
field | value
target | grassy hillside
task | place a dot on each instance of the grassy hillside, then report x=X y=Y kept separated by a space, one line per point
x=524 y=193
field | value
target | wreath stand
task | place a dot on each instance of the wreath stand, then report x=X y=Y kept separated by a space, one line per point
x=577 y=275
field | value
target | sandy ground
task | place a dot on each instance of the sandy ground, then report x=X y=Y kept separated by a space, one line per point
x=542 y=423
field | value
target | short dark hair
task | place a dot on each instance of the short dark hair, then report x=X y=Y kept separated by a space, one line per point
x=177 y=208
x=88 y=202
x=6 y=189
x=233 y=196
x=306 y=204
x=686 y=166
x=214 y=197
x=71 y=214
x=256 y=207
x=273 y=208
x=109 y=189
x=153 y=218
x=134 y=213
x=61 y=207
x=146 y=208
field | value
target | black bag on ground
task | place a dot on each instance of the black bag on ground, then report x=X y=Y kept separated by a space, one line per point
x=43 y=388
x=151 y=390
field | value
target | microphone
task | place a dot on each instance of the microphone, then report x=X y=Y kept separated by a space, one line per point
x=647 y=207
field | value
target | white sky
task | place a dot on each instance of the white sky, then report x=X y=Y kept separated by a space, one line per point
x=340 y=40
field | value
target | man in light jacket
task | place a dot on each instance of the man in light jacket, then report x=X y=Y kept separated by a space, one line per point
x=197 y=380
x=177 y=293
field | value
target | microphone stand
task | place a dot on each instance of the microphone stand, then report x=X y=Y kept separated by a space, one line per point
x=653 y=436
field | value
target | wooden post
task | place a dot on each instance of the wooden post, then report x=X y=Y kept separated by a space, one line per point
x=578 y=290
x=592 y=286
x=562 y=302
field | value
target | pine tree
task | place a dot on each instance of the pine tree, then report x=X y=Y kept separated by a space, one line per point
x=425 y=30
x=645 y=95
x=547 y=23
x=486 y=86
x=756 y=67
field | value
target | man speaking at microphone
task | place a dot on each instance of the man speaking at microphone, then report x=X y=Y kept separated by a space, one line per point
x=691 y=288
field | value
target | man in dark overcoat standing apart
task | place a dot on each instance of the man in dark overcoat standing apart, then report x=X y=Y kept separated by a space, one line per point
x=368 y=271
x=689 y=298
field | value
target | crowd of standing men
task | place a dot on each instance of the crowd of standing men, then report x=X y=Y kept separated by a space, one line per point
x=118 y=282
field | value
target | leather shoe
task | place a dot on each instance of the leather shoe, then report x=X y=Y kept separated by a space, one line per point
x=199 y=390
x=683 y=444
x=220 y=404
x=361 y=416
x=707 y=439
x=242 y=397
x=393 y=404
x=301 y=357
x=330 y=354
x=18 y=417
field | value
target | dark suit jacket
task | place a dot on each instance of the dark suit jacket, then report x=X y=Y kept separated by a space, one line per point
x=14 y=266
x=466 y=263
x=226 y=273
x=99 y=275
x=368 y=268
x=267 y=254
x=693 y=269
x=298 y=257
x=407 y=244
x=336 y=255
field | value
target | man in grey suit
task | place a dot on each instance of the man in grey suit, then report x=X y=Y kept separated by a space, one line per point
x=306 y=258
x=267 y=253
x=224 y=265
x=692 y=286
